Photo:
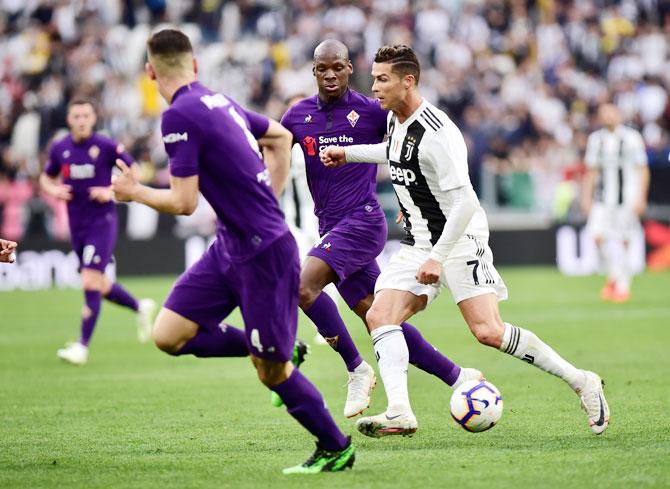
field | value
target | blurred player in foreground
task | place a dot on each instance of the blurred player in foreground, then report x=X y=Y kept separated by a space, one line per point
x=79 y=171
x=213 y=146
x=7 y=251
x=615 y=195
x=445 y=245
x=352 y=224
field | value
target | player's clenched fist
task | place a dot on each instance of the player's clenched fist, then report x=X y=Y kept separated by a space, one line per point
x=333 y=156
x=430 y=272
x=7 y=253
x=125 y=184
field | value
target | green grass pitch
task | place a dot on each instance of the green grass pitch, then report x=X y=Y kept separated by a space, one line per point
x=137 y=418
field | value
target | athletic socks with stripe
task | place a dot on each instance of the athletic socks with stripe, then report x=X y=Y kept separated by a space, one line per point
x=393 y=360
x=526 y=346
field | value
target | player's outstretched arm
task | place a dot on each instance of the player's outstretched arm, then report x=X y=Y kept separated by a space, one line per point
x=276 y=144
x=463 y=203
x=53 y=186
x=180 y=199
x=334 y=156
x=366 y=153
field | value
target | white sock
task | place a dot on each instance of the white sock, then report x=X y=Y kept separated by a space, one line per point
x=393 y=360
x=622 y=276
x=526 y=346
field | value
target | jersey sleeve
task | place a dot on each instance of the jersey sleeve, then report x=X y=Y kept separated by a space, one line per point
x=182 y=144
x=258 y=124
x=121 y=153
x=52 y=166
x=447 y=152
x=638 y=150
x=591 y=155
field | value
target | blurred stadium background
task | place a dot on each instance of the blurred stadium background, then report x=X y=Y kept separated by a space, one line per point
x=522 y=79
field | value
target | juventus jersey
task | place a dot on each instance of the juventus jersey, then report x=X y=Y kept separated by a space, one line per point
x=427 y=157
x=618 y=155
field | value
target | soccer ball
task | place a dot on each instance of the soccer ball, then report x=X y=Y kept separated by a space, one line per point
x=476 y=405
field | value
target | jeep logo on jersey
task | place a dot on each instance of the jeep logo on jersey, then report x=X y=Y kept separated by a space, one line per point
x=401 y=176
x=79 y=172
x=409 y=148
x=310 y=145
x=173 y=137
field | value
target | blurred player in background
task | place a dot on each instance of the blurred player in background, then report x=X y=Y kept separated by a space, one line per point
x=352 y=224
x=445 y=245
x=213 y=146
x=7 y=251
x=79 y=171
x=615 y=195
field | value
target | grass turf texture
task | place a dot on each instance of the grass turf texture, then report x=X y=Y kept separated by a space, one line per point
x=137 y=418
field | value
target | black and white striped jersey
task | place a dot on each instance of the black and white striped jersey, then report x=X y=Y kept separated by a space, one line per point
x=427 y=157
x=618 y=155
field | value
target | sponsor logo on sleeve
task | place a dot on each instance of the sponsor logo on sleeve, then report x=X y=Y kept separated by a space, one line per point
x=174 y=137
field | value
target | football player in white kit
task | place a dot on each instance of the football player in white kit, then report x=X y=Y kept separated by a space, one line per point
x=445 y=245
x=615 y=194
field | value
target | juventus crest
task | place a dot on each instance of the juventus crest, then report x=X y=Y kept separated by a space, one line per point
x=410 y=142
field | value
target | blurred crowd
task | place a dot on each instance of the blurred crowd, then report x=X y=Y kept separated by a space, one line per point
x=522 y=79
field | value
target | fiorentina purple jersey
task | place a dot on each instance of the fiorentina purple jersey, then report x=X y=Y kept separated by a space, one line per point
x=352 y=119
x=83 y=165
x=209 y=135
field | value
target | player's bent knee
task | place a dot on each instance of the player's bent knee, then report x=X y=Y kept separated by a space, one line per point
x=166 y=344
x=92 y=280
x=487 y=333
x=271 y=373
x=377 y=317
x=307 y=295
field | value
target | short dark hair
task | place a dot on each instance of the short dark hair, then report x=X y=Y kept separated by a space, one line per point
x=168 y=43
x=402 y=59
x=80 y=100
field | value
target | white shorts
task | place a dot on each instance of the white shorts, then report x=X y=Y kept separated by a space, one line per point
x=612 y=221
x=467 y=272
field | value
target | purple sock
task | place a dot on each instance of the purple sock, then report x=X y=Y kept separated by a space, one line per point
x=93 y=299
x=326 y=317
x=305 y=404
x=428 y=358
x=118 y=295
x=217 y=341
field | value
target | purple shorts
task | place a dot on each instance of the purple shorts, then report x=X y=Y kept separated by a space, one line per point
x=350 y=248
x=264 y=287
x=94 y=246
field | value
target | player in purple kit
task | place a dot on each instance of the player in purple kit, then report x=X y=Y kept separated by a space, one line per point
x=352 y=224
x=213 y=147
x=79 y=171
